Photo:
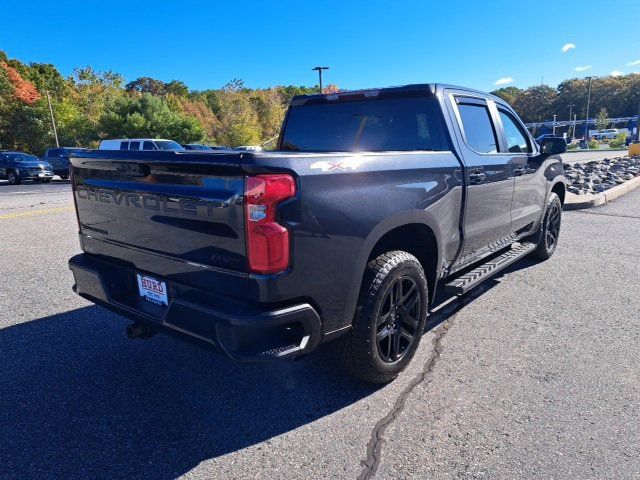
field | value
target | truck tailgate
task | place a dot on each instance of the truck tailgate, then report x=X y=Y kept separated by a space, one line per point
x=185 y=207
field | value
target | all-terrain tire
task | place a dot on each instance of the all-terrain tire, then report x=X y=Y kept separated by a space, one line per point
x=363 y=351
x=550 y=228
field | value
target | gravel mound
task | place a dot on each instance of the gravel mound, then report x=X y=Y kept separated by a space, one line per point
x=599 y=175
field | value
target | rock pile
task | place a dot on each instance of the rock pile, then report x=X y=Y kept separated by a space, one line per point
x=599 y=175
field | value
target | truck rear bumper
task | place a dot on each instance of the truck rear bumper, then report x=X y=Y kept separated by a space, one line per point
x=238 y=330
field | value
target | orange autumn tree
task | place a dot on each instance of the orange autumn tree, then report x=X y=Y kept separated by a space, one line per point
x=23 y=89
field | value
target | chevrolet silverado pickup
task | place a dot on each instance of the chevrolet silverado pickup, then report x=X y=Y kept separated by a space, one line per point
x=373 y=201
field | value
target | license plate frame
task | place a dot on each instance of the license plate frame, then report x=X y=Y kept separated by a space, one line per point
x=152 y=290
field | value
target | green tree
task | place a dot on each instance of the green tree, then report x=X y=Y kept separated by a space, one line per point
x=148 y=116
x=508 y=94
x=602 y=119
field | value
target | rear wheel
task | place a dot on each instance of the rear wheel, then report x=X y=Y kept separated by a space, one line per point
x=64 y=177
x=550 y=228
x=13 y=178
x=46 y=180
x=389 y=320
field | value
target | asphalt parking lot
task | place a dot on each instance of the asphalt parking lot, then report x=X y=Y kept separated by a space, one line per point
x=533 y=375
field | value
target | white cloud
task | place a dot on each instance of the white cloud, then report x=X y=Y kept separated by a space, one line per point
x=504 y=81
x=635 y=62
x=582 y=68
x=616 y=73
x=568 y=46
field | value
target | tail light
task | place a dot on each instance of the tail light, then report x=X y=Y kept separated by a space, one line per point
x=267 y=240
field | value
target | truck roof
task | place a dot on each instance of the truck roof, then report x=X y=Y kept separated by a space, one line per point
x=415 y=88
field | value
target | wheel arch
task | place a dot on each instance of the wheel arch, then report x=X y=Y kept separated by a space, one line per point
x=405 y=231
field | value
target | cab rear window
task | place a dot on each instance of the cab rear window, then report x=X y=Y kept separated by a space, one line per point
x=387 y=124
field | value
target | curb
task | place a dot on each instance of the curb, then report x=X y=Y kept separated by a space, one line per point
x=576 y=202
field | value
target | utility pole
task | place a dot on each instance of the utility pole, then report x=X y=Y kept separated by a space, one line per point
x=320 y=69
x=573 y=133
x=638 y=122
x=586 y=125
x=554 y=125
x=53 y=121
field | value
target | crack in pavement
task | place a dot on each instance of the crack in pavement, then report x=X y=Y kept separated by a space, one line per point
x=374 y=446
x=607 y=214
x=444 y=319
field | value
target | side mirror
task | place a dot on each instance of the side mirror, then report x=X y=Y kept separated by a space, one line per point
x=553 y=146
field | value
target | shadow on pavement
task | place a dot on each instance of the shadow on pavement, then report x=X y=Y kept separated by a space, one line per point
x=79 y=400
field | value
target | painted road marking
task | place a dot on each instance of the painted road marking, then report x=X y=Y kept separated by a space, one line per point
x=31 y=213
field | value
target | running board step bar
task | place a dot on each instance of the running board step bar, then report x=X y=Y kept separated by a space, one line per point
x=475 y=277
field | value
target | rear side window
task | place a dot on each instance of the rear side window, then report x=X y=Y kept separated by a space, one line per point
x=478 y=129
x=516 y=138
x=148 y=146
x=124 y=145
x=372 y=125
x=134 y=145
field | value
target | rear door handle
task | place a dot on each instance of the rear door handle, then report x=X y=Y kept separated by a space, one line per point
x=477 y=176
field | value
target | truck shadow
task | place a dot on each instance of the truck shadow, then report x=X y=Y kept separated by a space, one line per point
x=79 y=400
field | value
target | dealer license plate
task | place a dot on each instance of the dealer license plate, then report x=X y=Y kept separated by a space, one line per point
x=153 y=290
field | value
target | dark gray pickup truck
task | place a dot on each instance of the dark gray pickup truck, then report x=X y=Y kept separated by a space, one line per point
x=374 y=201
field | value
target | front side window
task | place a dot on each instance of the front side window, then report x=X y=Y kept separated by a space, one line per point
x=147 y=145
x=516 y=138
x=373 y=125
x=477 y=127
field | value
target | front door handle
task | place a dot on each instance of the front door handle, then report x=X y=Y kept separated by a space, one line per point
x=477 y=176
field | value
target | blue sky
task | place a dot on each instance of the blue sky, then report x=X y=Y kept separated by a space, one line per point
x=365 y=43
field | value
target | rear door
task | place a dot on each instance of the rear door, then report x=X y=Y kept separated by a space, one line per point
x=489 y=174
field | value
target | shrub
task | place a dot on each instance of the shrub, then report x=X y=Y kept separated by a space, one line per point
x=619 y=141
x=593 y=144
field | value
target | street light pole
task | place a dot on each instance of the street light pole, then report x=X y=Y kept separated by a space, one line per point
x=586 y=124
x=320 y=69
x=554 y=125
x=53 y=121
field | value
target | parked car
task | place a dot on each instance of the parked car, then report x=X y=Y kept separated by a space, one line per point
x=19 y=166
x=607 y=134
x=373 y=203
x=139 y=144
x=196 y=146
x=249 y=148
x=58 y=158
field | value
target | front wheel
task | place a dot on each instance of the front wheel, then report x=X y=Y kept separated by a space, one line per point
x=389 y=320
x=13 y=178
x=550 y=228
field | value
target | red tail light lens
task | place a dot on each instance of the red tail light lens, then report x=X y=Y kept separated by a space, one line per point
x=267 y=240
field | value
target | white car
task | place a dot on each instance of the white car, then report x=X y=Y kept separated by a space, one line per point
x=249 y=148
x=607 y=134
x=139 y=144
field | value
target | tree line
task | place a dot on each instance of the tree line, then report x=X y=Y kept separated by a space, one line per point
x=613 y=96
x=90 y=105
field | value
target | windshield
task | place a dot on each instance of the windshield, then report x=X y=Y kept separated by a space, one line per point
x=25 y=158
x=73 y=150
x=167 y=145
x=366 y=125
